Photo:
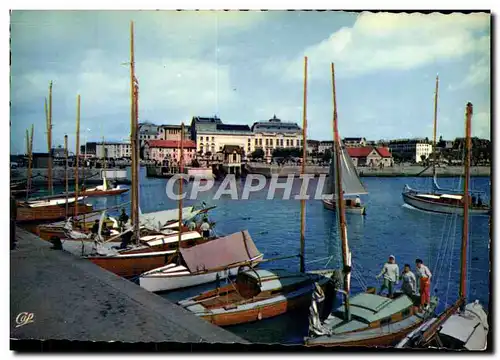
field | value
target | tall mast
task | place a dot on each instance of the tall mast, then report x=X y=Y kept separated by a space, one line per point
x=181 y=181
x=435 y=127
x=29 y=148
x=338 y=180
x=134 y=216
x=465 y=228
x=66 y=171
x=303 y=171
x=77 y=151
x=48 y=119
x=104 y=156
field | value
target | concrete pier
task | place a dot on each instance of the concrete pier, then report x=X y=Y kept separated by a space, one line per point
x=72 y=299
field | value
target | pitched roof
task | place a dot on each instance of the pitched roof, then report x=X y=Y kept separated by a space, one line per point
x=357 y=152
x=187 y=144
x=384 y=152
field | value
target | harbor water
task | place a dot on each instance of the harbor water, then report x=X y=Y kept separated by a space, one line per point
x=389 y=228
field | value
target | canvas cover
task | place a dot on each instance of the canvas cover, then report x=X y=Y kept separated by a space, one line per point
x=227 y=250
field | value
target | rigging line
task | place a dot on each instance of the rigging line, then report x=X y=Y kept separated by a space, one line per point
x=450 y=267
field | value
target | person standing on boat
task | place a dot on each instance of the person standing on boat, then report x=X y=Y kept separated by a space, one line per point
x=205 y=228
x=357 y=202
x=95 y=227
x=191 y=225
x=409 y=286
x=390 y=271
x=479 y=201
x=122 y=220
x=424 y=275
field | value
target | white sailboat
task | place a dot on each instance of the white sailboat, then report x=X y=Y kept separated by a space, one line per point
x=350 y=183
x=460 y=326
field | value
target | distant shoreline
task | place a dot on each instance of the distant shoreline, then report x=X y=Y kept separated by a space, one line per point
x=395 y=171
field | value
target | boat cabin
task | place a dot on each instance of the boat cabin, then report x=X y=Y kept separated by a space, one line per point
x=371 y=311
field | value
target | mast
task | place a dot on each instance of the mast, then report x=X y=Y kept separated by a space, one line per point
x=48 y=119
x=465 y=228
x=66 y=170
x=435 y=128
x=181 y=170
x=303 y=171
x=77 y=151
x=340 y=196
x=134 y=216
x=29 y=148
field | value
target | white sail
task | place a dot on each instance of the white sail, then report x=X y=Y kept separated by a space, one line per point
x=351 y=184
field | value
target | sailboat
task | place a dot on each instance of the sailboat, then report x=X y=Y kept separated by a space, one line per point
x=365 y=319
x=441 y=200
x=262 y=293
x=460 y=326
x=351 y=184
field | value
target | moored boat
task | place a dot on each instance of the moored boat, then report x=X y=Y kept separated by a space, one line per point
x=256 y=295
x=204 y=263
x=350 y=206
x=40 y=212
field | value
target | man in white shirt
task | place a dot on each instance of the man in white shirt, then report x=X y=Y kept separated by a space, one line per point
x=205 y=228
x=424 y=274
x=390 y=271
x=409 y=286
x=357 y=202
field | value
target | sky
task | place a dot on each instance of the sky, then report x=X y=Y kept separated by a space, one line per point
x=248 y=66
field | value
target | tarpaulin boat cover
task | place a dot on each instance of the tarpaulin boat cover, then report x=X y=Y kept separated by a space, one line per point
x=228 y=250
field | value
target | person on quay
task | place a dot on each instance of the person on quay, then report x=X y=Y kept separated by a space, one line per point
x=424 y=275
x=205 y=228
x=479 y=201
x=390 y=272
x=409 y=286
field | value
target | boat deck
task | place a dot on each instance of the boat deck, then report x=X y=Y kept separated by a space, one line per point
x=61 y=290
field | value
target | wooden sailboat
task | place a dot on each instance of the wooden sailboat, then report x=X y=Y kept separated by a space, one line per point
x=441 y=200
x=260 y=294
x=460 y=326
x=364 y=319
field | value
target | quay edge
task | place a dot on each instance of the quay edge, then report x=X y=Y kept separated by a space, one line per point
x=73 y=299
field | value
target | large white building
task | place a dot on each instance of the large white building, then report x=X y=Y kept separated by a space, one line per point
x=114 y=150
x=211 y=135
x=411 y=148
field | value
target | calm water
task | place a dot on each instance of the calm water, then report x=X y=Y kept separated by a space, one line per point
x=388 y=228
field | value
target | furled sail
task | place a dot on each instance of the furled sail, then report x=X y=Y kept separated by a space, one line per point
x=351 y=184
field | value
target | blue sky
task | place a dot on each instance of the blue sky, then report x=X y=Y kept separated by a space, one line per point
x=248 y=66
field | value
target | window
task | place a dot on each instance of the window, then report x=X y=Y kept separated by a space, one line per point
x=213 y=139
x=271 y=142
x=281 y=141
x=256 y=142
x=249 y=140
x=260 y=142
x=234 y=157
x=201 y=138
x=287 y=142
x=267 y=142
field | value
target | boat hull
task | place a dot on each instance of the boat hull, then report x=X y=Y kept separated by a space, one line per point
x=46 y=213
x=432 y=206
x=97 y=193
x=259 y=310
x=330 y=205
x=130 y=266
x=156 y=284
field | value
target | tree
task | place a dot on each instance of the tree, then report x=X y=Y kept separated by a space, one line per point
x=327 y=156
x=258 y=154
x=422 y=157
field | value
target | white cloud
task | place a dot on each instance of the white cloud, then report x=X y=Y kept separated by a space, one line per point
x=387 y=41
x=478 y=74
x=481 y=125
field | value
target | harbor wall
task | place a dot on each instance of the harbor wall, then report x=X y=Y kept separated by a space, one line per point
x=70 y=298
x=395 y=171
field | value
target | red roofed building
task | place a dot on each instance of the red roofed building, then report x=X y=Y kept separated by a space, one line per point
x=370 y=156
x=168 y=151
